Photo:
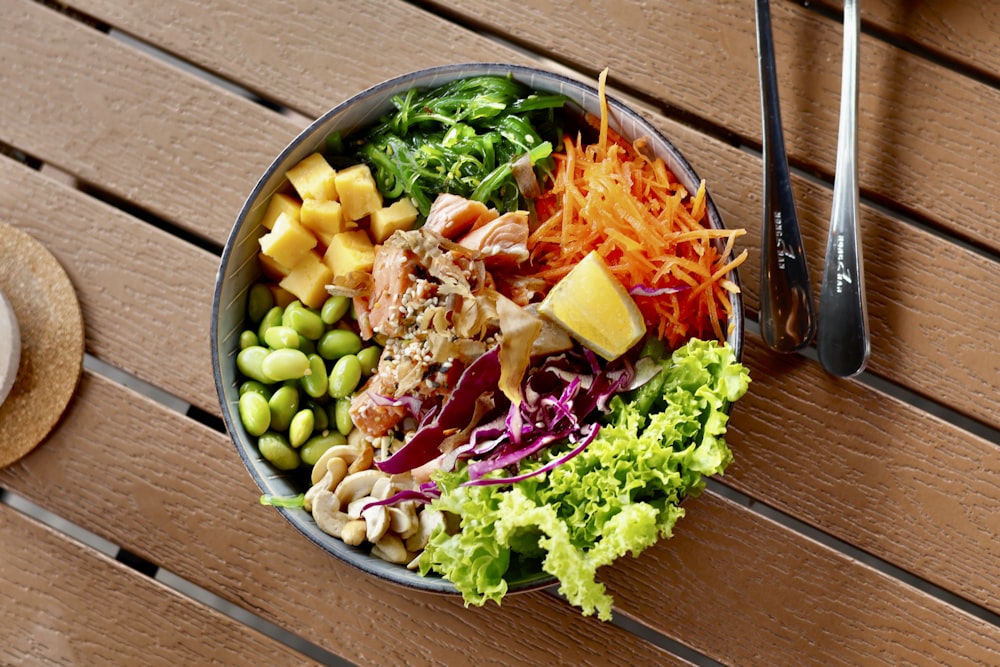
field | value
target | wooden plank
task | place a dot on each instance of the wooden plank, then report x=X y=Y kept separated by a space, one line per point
x=65 y=603
x=146 y=295
x=963 y=32
x=744 y=592
x=882 y=475
x=183 y=500
x=146 y=132
x=162 y=509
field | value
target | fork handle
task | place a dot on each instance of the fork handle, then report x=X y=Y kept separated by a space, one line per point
x=787 y=322
x=843 y=340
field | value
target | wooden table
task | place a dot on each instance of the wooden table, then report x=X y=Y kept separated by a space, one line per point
x=860 y=521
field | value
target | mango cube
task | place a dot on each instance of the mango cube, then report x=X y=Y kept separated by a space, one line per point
x=359 y=195
x=280 y=203
x=308 y=280
x=325 y=219
x=287 y=242
x=313 y=178
x=350 y=251
x=390 y=219
x=271 y=268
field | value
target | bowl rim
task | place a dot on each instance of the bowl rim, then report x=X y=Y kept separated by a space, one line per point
x=312 y=135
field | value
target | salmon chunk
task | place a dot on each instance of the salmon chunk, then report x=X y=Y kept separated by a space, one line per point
x=392 y=278
x=451 y=215
x=503 y=241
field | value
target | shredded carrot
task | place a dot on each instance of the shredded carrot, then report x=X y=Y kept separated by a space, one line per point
x=648 y=228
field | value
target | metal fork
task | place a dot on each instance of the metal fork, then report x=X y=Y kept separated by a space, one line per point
x=787 y=322
x=843 y=339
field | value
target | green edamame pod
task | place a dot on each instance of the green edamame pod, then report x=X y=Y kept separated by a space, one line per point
x=256 y=387
x=275 y=448
x=315 y=383
x=248 y=339
x=344 y=377
x=316 y=445
x=333 y=309
x=259 y=301
x=283 y=405
x=254 y=413
x=272 y=318
x=301 y=427
x=285 y=364
x=281 y=337
x=250 y=362
x=305 y=321
x=369 y=358
x=338 y=342
x=342 y=415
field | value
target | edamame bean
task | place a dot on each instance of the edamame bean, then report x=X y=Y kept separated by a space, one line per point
x=275 y=448
x=248 y=339
x=317 y=445
x=250 y=362
x=345 y=376
x=259 y=301
x=307 y=346
x=281 y=337
x=254 y=413
x=315 y=383
x=333 y=309
x=256 y=387
x=285 y=364
x=283 y=406
x=337 y=342
x=301 y=427
x=369 y=357
x=321 y=420
x=271 y=319
x=307 y=322
x=342 y=415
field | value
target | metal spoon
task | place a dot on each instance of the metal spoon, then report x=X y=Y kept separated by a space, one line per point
x=843 y=343
x=787 y=322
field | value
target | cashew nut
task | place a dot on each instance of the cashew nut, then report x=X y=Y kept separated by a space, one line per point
x=356 y=485
x=403 y=520
x=428 y=522
x=327 y=515
x=353 y=532
x=391 y=548
x=376 y=522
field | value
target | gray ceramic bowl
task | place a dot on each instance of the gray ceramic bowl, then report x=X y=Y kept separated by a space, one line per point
x=239 y=270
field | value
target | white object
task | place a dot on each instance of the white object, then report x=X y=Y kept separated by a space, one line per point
x=10 y=347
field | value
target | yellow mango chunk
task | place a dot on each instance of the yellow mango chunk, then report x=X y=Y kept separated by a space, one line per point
x=350 y=251
x=308 y=280
x=314 y=178
x=272 y=269
x=325 y=219
x=595 y=308
x=358 y=192
x=280 y=203
x=287 y=242
x=387 y=220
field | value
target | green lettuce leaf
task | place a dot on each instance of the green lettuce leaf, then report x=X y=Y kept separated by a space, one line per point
x=618 y=496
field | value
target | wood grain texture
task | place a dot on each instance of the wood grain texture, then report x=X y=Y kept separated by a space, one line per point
x=163 y=139
x=183 y=500
x=66 y=604
x=220 y=538
x=740 y=588
x=963 y=32
x=879 y=474
x=146 y=295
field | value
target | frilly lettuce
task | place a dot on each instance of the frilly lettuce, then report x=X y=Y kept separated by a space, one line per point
x=618 y=496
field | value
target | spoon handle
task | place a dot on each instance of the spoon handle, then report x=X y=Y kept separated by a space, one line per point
x=843 y=340
x=787 y=322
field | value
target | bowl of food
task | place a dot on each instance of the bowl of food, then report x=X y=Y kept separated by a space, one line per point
x=477 y=330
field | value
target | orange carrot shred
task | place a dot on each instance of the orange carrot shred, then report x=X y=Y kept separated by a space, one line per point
x=614 y=198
